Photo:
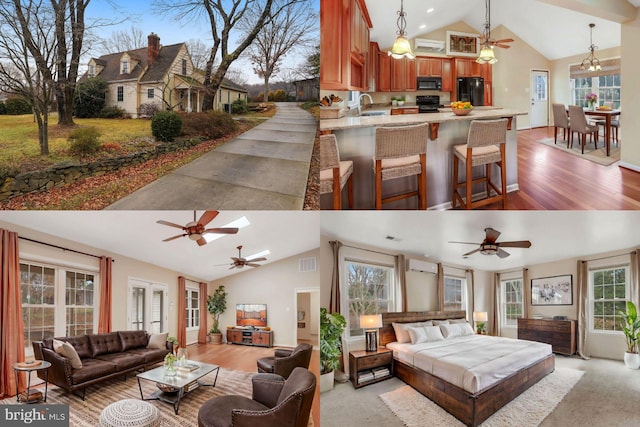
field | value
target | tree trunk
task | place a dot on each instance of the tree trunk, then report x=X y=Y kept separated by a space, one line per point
x=266 y=88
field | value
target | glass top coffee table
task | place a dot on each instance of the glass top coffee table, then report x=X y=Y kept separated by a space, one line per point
x=171 y=389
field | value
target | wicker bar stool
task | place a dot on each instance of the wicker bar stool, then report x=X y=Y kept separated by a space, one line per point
x=401 y=152
x=485 y=145
x=334 y=174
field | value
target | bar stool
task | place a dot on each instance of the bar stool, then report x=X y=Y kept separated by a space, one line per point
x=334 y=174
x=401 y=152
x=485 y=145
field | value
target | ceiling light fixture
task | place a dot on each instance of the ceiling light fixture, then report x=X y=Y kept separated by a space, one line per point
x=591 y=62
x=241 y=222
x=487 y=56
x=401 y=47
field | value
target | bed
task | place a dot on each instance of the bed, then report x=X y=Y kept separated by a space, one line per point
x=471 y=397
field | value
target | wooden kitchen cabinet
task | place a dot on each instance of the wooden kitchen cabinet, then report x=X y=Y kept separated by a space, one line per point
x=467 y=68
x=403 y=75
x=486 y=72
x=488 y=94
x=383 y=81
x=447 y=76
x=429 y=67
x=411 y=77
x=372 y=66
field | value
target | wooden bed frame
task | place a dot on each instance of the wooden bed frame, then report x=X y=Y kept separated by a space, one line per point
x=472 y=409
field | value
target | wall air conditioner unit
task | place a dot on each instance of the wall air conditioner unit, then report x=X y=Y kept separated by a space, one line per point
x=426 y=45
x=422 y=266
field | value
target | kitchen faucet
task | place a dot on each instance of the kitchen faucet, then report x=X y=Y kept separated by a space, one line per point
x=360 y=100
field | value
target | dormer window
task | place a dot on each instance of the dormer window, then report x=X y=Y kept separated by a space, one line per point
x=92 y=70
x=125 y=66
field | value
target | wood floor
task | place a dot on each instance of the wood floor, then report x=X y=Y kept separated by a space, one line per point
x=550 y=179
x=243 y=358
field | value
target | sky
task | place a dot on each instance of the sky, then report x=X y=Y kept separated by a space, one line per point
x=139 y=13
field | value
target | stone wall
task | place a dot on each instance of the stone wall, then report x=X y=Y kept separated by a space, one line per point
x=66 y=173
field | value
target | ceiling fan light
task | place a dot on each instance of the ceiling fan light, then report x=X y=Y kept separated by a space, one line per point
x=487 y=56
x=195 y=236
x=401 y=49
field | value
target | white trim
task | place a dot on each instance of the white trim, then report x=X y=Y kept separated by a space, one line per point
x=56 y=262
x=612 y=264
x=629 y=166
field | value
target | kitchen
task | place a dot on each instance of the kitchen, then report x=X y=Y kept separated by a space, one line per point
x=355 y=67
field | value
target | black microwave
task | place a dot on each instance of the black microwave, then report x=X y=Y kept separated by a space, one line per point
x=429 y=83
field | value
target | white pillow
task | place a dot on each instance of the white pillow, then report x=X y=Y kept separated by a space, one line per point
x=402 y=331
x=57 y=346
x=440 y=322
x=466 y=329
x=458 y=321
x=451 y=331
x=420 y=334
x=70 y=353
x=158 y=341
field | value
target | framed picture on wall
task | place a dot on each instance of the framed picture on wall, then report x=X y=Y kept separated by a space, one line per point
x=462 y=44
x=555 y=290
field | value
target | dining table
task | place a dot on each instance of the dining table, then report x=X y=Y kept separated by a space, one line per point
x=607 y=114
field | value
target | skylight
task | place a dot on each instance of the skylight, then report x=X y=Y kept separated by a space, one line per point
x=241 y=222
x=258 y=255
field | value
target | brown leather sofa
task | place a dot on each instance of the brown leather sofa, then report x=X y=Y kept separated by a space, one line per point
x=276 y=402
x=103 y=356
x=284 y=361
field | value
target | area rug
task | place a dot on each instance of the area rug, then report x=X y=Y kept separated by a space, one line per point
x=527 y=410
x=598 y=156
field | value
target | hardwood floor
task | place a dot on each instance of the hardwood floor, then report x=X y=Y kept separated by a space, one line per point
x=243 y=358
x=552 y=180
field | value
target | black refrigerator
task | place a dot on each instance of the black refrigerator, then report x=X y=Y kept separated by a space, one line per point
x=471 y=89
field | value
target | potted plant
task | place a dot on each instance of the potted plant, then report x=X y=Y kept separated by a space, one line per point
x=174 y=342
x=331 y=328
x=631 y=328
x=401 y=101
x=216 y=305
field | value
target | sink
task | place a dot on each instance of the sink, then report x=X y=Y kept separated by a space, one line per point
x=374 y=113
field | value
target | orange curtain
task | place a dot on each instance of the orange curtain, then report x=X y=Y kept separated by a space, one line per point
x=104 y=322
x=182 y=312
x=202 y=333
x=11 y=327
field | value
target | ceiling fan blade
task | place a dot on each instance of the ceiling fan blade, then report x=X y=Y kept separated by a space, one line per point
x=492 y=234
x=257 y=259
x=232 y=267
x=228 y=230
x=252 y=264
x=503 y=41
x=503 y=46
x=465 y=243
x=170 y=224
x=201 y=241
x=174 y=237
x=502 y=254
x=234 y=259
x=515 y=244
x=470 y=253
x=207 y=217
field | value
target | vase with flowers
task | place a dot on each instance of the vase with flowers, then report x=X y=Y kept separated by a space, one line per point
x=592 y=99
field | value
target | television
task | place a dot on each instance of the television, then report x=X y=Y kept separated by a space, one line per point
x=251 y=315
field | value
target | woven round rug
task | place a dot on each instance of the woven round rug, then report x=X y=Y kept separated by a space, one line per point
x=129 y=413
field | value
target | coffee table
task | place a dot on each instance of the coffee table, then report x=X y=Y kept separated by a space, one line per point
x=183 y=383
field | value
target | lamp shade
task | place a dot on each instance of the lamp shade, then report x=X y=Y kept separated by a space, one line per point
x=401 y=48
x=480 y=316
x=371 y=321
x=487 y=56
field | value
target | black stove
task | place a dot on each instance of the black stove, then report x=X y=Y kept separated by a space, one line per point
x=428 y=103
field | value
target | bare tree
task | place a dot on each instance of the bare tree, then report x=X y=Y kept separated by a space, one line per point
x=223 y=17
x=310 y=68
x=199 y=52
x=237 y=75
x=293 y=28
x=287 y=79
x=124 y=40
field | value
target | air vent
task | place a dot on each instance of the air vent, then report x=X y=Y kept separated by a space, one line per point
x=307 y=265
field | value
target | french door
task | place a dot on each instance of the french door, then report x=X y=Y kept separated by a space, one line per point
x=147 y=306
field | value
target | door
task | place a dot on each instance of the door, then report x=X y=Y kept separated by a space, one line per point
x=147 y=306
x=539 y=90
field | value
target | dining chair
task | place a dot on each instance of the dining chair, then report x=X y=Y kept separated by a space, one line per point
x=615 y=124
x=401 y=152
x=334 y=173
x=579 y=124
x=560 y=120
x=486 y=145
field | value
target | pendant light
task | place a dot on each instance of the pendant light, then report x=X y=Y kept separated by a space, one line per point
x=487 y=56
x=591 y=62
x=401 y=47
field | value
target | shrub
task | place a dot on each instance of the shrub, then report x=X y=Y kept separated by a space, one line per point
x=89 y=98
x=166 y=125
x=278 y=96
x=239 y=106
x=17 y=106
x=148 y=110
x=84 y=141
x=3 y=109
x=112 y=112
x=211 y=124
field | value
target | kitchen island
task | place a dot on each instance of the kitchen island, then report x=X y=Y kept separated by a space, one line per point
x=356 y=142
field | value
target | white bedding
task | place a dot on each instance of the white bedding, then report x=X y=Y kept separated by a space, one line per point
x=473 y=362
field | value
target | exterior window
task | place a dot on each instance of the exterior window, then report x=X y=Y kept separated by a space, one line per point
x=193 y=308
x=454 y=293
x=125 y=67
x=512 y=302
x=609 y=295
x=150 y=93
x=184 y=67
x=370 y=291
x=607 y=88
x=37 y=290
x=120 y=93
x=79 y=293
x=92 y=70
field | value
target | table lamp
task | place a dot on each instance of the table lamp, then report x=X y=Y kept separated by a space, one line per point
x=480 y=317
x=370 y=323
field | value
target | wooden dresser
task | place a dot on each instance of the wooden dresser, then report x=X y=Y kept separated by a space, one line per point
x=561 y=334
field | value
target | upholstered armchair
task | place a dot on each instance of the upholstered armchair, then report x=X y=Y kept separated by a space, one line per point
x=276 y=402
x=284 y=361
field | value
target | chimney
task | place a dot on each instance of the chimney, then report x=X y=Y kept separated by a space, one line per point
x=154 y=48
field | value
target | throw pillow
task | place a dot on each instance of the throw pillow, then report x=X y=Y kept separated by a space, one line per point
x=422 y=334
x=458 y=321
x=440 y=322
x=450 y=331
x=466 y=329
x=70 y=353
x=158 y=341
x=57 y=346
x=402 y=331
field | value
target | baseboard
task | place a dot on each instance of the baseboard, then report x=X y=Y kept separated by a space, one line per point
x=629 y=166
x=447 y=206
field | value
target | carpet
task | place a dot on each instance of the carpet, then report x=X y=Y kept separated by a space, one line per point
x=528 y=409
x=590 y=153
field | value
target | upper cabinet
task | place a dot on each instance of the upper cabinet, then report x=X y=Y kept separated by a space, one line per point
x=344 y=45
x=373 y=66
x=402 y=75
x=436 y=67
x=467 y=67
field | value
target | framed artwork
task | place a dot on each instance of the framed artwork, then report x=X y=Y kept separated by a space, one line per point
x=462 y=44
x=555 y=290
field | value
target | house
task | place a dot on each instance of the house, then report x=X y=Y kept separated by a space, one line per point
x=146 y=275
x=308 y=89
x=163 y=76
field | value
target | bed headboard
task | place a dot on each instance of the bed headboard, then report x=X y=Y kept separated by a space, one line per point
x=387 y=334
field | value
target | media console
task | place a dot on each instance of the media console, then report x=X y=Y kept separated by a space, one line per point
x=256 y=337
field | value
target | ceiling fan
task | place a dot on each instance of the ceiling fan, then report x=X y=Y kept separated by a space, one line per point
x=196 y=230
x=239 y=262
x=488 y=41
x=489 y=246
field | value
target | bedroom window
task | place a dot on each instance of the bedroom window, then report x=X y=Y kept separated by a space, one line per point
x=512 y=302
x=454 y=293
x=609 y=294
x=370 y=291
x=193 y=308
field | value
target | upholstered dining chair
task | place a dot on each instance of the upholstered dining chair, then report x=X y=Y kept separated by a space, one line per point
x=560 y=120
x=334 y=173
x=401 y=152
x=615 y=124
x=285 y=361
x=579 y=124
x=486 y=145
x=275 y=402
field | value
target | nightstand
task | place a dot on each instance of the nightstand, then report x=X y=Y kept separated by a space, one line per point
x=368 y=367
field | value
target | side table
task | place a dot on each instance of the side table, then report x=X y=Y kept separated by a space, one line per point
x=368 y=367
x=28 y=368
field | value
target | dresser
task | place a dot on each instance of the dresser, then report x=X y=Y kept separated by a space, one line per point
x=561 y=334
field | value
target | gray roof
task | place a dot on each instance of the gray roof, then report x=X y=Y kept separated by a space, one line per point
x=228 y=84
